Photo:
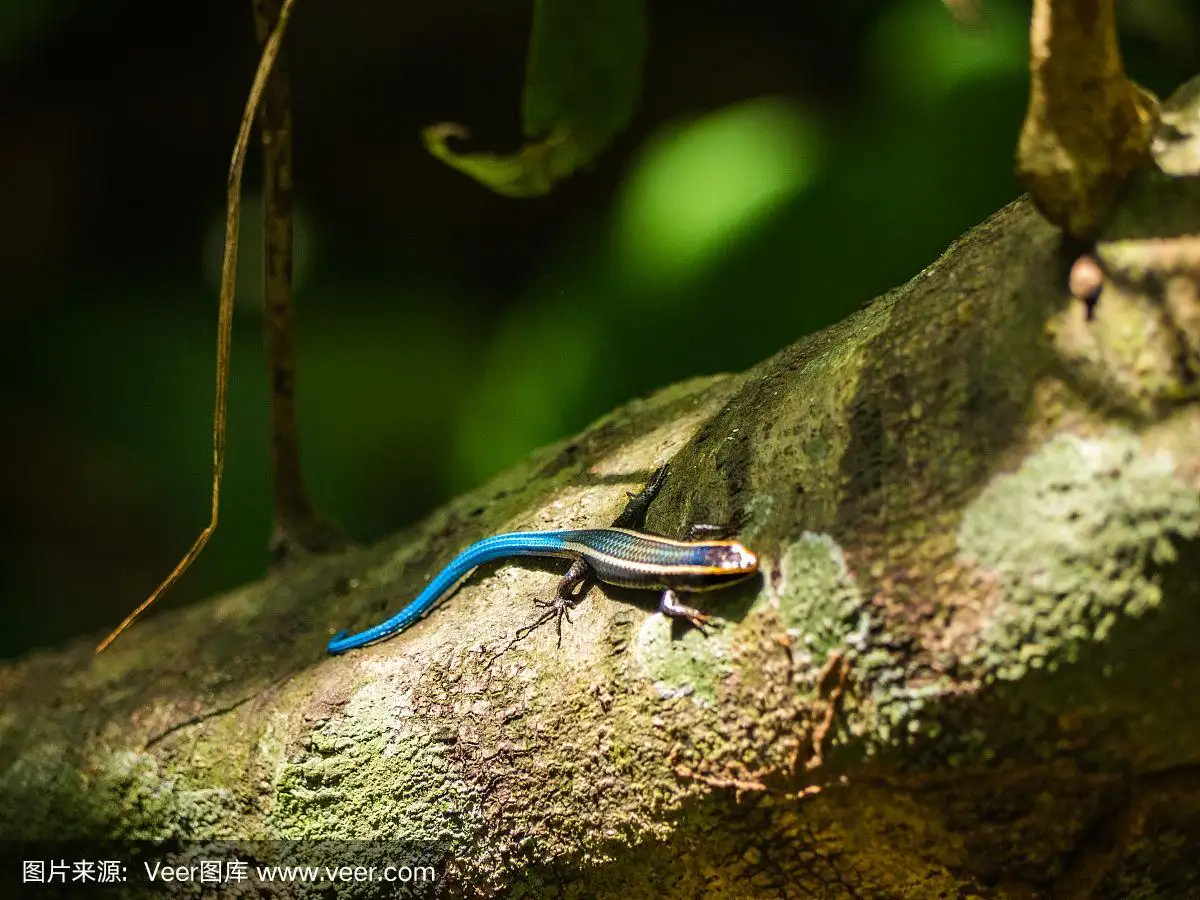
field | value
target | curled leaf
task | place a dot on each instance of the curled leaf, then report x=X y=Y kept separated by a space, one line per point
x=528 y=172
x=583 y=79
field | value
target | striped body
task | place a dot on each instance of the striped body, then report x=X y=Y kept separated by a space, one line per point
x=617 y=556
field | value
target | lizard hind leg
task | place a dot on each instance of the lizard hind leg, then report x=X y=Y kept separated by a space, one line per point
x=566 y=597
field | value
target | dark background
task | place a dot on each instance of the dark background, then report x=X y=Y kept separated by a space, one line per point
x=789 y=161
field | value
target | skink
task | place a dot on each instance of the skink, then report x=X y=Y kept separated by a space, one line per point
x=620 y=555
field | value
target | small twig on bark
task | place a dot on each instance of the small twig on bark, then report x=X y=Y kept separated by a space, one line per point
x=298 y=528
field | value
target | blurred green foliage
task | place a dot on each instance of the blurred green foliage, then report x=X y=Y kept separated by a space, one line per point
x=780 y=173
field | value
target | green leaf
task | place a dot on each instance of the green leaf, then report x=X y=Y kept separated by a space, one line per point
x=582 y=83
x=585 y=68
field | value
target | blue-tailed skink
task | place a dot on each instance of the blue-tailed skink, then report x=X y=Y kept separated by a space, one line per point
x=620 y=555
